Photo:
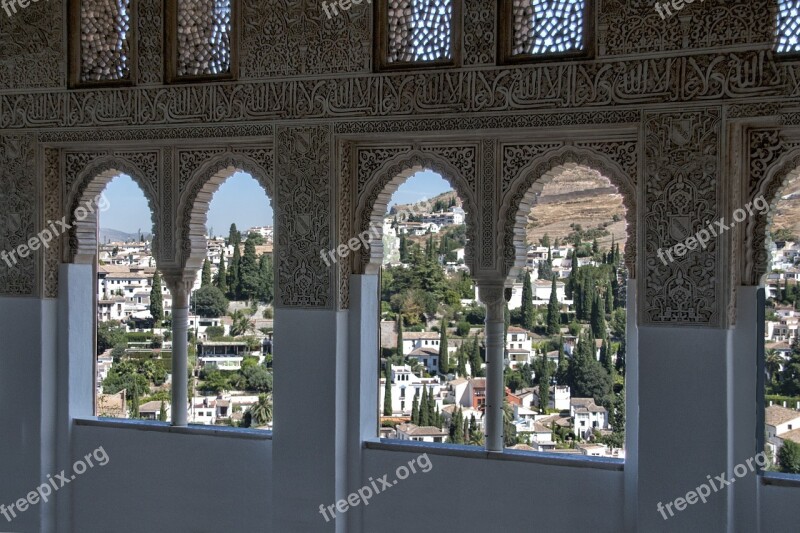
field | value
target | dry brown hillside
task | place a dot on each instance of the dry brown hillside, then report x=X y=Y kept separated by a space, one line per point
x=580 y=196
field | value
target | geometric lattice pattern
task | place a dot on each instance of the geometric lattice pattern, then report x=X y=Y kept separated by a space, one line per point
x=548 y=26
x=204 y=37
x=419 y=30
x=105 y=45
x=788 y=26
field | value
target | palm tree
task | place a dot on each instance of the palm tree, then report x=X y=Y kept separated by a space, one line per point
x=772 y=363
x=241 y=323
x=261 y=411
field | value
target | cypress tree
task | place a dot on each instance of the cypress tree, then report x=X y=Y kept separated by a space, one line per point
x=403 y=248
x=135 y=400
x=400 y=334
x=234 y=280
x=527 y=302
x=424 y=410
x=234 y=237
x=569 y=290
x=598 y=318
x=434 y=417
x=457 y=427
x=266 y=278
x=205 y=279
x=475 y=360
x=553 y=311
x=156 y=300
x=444 y=356
x=609 y=300
x=620 y=365
x=415 y=410
x=544 y=385
x=461 y=369
x=249 y=282
x=387 y=392
x=222 y=276
x=162 y=412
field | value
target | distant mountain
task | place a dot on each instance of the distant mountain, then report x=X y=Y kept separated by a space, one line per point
x=443 y=198
x=114 y=235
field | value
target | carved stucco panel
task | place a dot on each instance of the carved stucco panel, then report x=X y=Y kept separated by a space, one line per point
x=303 y=221
x=682 y=195
x=18 y=213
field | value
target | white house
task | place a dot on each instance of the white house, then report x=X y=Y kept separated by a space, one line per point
x=405 y=385
x=781 y=424
x=421 y=433
x=587 y=416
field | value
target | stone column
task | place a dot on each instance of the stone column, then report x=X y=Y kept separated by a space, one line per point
x=180 y=286
x=493 y=297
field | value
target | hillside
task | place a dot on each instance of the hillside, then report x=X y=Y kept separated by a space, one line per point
x=113 y=235
x=578 y=196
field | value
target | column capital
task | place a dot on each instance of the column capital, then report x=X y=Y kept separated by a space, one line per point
x=180 y=283
x=494 y=297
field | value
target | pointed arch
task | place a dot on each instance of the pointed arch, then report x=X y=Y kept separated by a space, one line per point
x=758 y=244
x=528 y=186
x=373 y=205
x=194 y=201
x=90 y=183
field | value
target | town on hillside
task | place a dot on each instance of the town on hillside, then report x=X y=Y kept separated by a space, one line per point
x=565 y=339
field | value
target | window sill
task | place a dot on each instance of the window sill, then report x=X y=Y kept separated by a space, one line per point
x=778 y=479
x=472 y=452
x=163 y=427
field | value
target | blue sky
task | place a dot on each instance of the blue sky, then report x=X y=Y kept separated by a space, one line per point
x=240 y=200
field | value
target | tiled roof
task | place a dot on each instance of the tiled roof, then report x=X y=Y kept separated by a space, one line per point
x=777 y=415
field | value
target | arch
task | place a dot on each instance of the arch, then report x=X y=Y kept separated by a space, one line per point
x=758 y=243
x=529 y=185
x=372 y=206
x=91 y=182
x=194 y=201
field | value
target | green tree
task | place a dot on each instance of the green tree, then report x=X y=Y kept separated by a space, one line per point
x=234 y=279
x=241 y=324
x=234 y=237
x=606 y=358
x=598 y=318
x=573 y=276
x=403 y=248
x=444 y=354
x=553 y=310
x=475 y=359
x=387 y=392
x=257 y=238
x=110 y=335
x=527 y=311
x=222 y=276
x=789 y=457
x=400 y=334
x=249 y=279
x=790 y=376
x=209 y=302
x=162 y=412
x=415 y=410
x=456 y=429
x=588 y=379
x=156 y=299
x=424 y=409
x=261 y=411
x=135 y=401
x=266 y=278
x=544 y=385
x=206 y=277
